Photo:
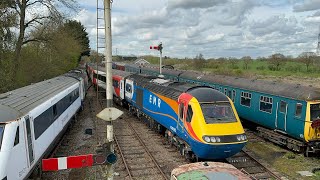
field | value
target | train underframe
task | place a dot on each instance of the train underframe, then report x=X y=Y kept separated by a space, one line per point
x=308 y=148
x=173 y=140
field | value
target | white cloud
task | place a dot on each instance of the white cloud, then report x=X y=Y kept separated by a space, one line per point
x=190 y=4
x=279 y=24
x=212 y=27
x=307 y=5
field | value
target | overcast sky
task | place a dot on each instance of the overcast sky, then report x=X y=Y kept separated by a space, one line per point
x=215 y=28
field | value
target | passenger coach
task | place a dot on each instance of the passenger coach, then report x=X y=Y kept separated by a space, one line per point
x=33 y=118
x=287 y=114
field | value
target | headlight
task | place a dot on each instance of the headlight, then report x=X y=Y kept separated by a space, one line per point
x=206 y=139
x=218 y=139
x=242 y=137
x=239 y=138
x=213 y=139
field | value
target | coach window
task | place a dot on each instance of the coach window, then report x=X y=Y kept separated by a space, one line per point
x=283 y=106
x=128 y=88
x=266 y=104
x=16 y=139
x=245 y=99
x=55 y=112
x=298 y=110
x=189 y=114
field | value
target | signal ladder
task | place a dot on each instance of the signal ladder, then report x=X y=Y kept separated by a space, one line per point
x=100 y=45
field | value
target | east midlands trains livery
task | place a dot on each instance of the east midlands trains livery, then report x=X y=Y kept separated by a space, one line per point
x=199 y=120
x=287 y=114
x=33 y=118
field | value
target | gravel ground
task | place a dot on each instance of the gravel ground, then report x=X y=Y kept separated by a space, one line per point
x=76 y=142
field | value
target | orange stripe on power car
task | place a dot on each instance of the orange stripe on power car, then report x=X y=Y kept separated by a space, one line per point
x=185 y=97
x=172 y=103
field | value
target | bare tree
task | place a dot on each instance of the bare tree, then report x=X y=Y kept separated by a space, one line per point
x=233 y=61
x=307 y=58
x=246 y=61
x=22 y=7
x=199 y=61
x=277 y=60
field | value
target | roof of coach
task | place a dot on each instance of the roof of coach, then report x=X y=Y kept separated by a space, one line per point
x=275 y=88
x=120 y=73
x=76 y=75
x=165 y=71
x=19 y=102
x=174 y=89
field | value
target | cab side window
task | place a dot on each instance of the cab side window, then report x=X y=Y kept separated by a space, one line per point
x=189 y=114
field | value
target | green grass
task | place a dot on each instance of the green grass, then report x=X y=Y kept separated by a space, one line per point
x=285 y=162
x=291 y=68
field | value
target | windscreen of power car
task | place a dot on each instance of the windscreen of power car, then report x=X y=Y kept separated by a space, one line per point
x=218 y=113
x=315 y=111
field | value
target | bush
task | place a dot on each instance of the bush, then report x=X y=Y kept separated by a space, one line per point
x=272 y=68
x=293 y=68
x=233 y=67
x=261 y=68
x=238 y=72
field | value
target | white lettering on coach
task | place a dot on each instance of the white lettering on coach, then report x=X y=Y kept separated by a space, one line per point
x=154 y=100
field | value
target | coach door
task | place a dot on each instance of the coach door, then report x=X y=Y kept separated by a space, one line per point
x=121 y=90
x=29 y=141
x=281 y=121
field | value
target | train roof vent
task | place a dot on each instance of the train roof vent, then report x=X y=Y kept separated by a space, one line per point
x=160 y=81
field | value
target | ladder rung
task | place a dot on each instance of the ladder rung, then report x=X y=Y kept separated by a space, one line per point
x=101 y=47
x=100 y=8
x=100 y=28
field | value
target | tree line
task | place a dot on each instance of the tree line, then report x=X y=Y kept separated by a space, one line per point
x=38 y=41
x=276 y=61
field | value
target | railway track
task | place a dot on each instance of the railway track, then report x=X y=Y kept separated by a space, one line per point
x=144 y=153
x=248 y=164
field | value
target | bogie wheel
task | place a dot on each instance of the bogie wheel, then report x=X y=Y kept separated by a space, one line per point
x=307 y=152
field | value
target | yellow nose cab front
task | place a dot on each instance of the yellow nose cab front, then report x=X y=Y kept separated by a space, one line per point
x=209 y=124
x=312 y=127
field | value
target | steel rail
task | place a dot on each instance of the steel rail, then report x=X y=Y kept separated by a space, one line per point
x=147 y=150
x=122 y=156
x=267 y=169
